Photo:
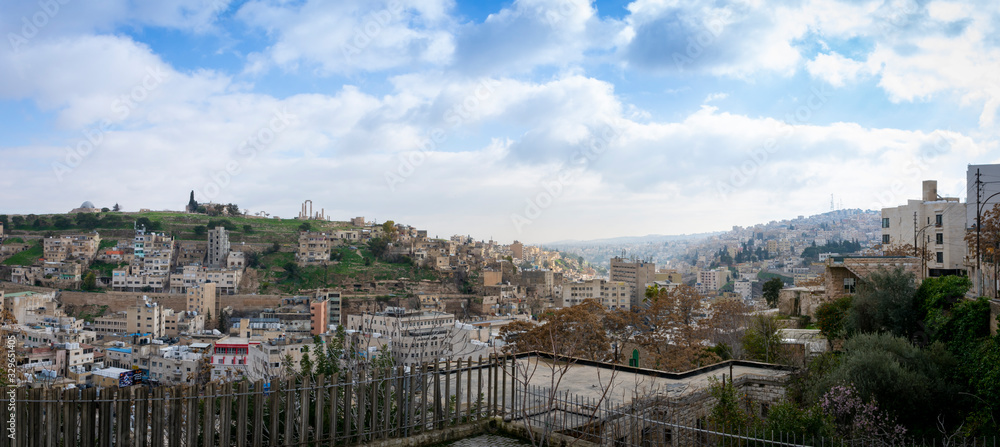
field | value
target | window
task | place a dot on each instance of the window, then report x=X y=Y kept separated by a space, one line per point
x=939 y=238
x=849 y=285
x=940 y=256
x=885 y=222
x=938 y=220
x=885 y=239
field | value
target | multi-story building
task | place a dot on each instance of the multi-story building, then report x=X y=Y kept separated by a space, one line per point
x=634 y=272
x=173 y=365
x=611 y=294
x=324 y=311
x=935 y=225
x=27 y=307
x=145 y=317
x=78 y=246
x=710 y=281
x=132 y=279
x=314 y=248
x=201 y=299
x=233 y=358
x=177 y=323
x=218 y=247
x=416 y=337
x=226 y=280
x=114 y=324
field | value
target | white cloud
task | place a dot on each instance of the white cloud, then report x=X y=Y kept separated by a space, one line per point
x=835 y=69
x=350 y=36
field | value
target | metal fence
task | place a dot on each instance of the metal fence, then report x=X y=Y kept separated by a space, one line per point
x=657 y=422
x=343 y=409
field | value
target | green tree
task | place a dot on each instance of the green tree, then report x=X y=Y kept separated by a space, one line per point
x=762 y=342
x=884 y=303
x=105 y=210
x=772 y=288
x=90 y=281
x=305 y=226
x=3 y=219
x=118 y=208
x=192 y=204
x=248 y=229
x=306 y=364
x=830 y=317
x=910 y=383
x=200 y=230
x=17 y=221
x=291 y=270
x=223 y=323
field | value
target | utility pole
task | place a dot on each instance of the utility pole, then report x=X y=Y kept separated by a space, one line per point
x=914 y=233
x=979 y=256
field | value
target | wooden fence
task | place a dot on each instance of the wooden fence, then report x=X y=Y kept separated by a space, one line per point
x=344 y=409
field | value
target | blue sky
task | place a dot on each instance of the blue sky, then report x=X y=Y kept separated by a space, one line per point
x=535 y=120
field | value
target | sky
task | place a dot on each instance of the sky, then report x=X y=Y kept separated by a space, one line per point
x=535 y=120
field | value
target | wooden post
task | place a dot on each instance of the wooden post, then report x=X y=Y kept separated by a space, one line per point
x=458 y=391
x=289 y=412
x=348 y=408
x=468 y=391
x=226 y=415
x=274 y=408
x=424 y=384
x=304 y=389
x=191 y=421
x=242 y=407
x=334 y=400
x=142 y=417
x=362 y=411
x=438 y=417
x=178 y=396
x=157 y=404
x=88 y=415
x=107 y=395
x=386 y=403
x=208 y=419
x=318 y=409
x=479 y=393
x=258 y=413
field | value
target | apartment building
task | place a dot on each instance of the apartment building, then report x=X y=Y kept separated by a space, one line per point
x=78 y=246
x=415 y=336
x=314 y=248
x=710 y=281
x=218 y=247
x=226 y=280
x=233 y=358
x=172 y=365
x=933 y=224
x=110 y=325
x=146 y=317
x=634 y=272
x=201 y=299
x=177 y=323
x=611 y=294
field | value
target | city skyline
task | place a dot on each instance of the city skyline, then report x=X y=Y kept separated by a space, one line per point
x=530 y=120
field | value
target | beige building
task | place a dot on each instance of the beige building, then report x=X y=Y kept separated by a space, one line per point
x=611 y=294
x=671 y=275
x=146 y=317
x=107 y=325
x=935 y=224
x=177 y=323
x=636 y=273
x=314 y=248
x=77 y=246
x=710 y=281
x=218 y=247
x=416 y=337
x=28 y=307
x=201 y=299
x=226 y=280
